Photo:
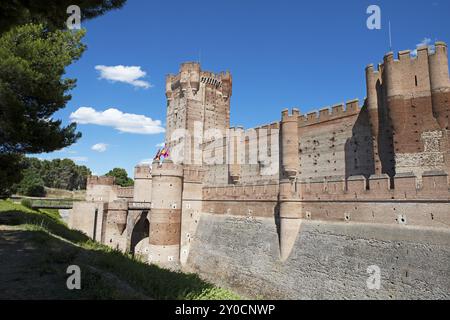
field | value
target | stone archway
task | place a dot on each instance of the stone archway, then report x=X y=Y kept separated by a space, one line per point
x=140 y=231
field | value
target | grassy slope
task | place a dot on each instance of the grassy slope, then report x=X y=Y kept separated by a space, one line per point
x=36 y=248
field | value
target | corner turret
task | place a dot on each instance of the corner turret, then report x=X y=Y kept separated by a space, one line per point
x=289 y=143
x=165 y=214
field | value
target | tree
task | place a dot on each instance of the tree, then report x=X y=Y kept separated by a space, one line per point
x=33 y=58
x=32 y=184
x=65 y=174
x=10 y=173
x=32 y=63
x=51 y=13
x=57 y=173
x=121 y=177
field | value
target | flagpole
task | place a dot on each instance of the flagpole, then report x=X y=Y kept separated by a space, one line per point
x=390 y=36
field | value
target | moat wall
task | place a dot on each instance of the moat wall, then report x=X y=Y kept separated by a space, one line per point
x=329 y=260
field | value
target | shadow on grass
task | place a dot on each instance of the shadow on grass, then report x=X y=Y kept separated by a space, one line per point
x=99 y=261
x=15 y=216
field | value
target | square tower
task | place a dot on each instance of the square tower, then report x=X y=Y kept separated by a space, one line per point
x=196 y=97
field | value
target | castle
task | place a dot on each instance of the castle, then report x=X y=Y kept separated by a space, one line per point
x=381 y=166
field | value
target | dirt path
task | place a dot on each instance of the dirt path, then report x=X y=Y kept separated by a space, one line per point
x=33 y=265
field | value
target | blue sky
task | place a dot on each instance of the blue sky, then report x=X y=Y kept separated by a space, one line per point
x=281 y=54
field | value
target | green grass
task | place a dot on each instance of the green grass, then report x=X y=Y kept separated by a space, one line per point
x=105 y=272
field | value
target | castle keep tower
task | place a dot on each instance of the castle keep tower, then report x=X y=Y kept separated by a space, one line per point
x=196 y=97
x=407 y=102
x=165 y=215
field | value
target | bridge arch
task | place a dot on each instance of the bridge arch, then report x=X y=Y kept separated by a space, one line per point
x=140 y=230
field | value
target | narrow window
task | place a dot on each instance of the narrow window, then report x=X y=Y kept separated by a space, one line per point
x=416 y=80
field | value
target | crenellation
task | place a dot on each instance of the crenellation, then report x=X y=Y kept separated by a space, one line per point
x=103 y=180
x=356 y=185
x=435 y=184
x=326 y=114
x=352 y=106
x=125 y=192
x=312 y=117
x=404 y=55
x=380 y=185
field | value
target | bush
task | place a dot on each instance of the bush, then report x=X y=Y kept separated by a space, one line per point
x=26 y=203
x=36 y=190
x=32 y=184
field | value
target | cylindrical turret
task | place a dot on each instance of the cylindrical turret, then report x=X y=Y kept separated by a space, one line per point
x=184 y=76
x=227 y=85
x=190 y=76
x=165 y=215
x=142 y=183
x=169 y=92
x=397 y=108
x=440 y=84
x=195 y=77
x=289 y=143
x=372 y=80
x=391 y=80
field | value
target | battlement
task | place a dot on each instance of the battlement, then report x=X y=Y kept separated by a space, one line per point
x=125 y=192
x=143 y=171
x=285 y=116
x=250 y=192
x=103 y=180
x=166 y=168
x=193 y=175
x=189 y=66
x=191 y=75
x=267 y=127
x=215 y=79
x=338 y=111
x=406 y=56
x=406 y=186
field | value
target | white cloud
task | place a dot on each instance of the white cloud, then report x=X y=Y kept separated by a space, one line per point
x=127 y=74
x=160 y=145
x=100 y=147
x=146 y=161
x=124 y=122
x=424 y=42
x=66 y=150
x=79 y=159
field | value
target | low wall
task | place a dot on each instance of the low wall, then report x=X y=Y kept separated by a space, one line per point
x=88 y=217
x=328 y=261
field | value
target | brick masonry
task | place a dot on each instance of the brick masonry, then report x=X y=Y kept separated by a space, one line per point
x=335 y=191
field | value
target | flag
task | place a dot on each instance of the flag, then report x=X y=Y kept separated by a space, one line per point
x=158 y=155
x=165 y=152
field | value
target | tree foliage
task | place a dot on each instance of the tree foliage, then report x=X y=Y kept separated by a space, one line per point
x=57 y=173
x=121 y=177
x=34 y=52
x=32 y=63
x=32 y=184
x=51 y=13
x=10 y=173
